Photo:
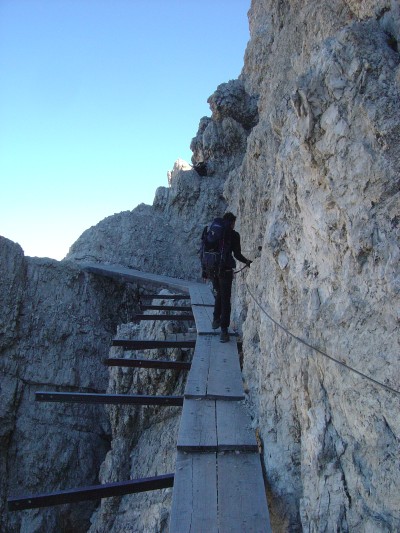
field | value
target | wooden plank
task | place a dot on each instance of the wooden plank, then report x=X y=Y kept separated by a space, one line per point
x=91 y=493
x=215 y=425
x=215 y=371
x=194 y=498
x=196 y=384
x=130 y=274
x=225 y=377
x=234 y=432
x=188 y=336
x=200 y=292
x=149 y=345
x=201 y=295
x=112 y=399
x=164 y=364
x=203 y=317
x=198 y=428
x=242 y=502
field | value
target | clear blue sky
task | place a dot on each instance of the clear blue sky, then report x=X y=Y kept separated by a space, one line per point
x=98 y=98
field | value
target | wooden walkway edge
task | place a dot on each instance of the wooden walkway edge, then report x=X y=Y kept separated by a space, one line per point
x=218 y=483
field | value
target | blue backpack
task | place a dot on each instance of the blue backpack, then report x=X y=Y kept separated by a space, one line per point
x=215 y=247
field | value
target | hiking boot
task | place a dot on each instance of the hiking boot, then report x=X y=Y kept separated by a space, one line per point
x=224 y=337
x=215 y=324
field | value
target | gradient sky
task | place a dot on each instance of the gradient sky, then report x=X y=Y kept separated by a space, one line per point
x=98 y=98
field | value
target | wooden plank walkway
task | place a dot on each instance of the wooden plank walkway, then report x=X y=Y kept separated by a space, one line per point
x=219 y=493
x=218 y=486
x=130 y=274
x=203 y=316
x=215 y=425
x=200 y=294
x=215 y=370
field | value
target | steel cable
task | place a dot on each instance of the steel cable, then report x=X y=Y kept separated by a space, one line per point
x=379 y=383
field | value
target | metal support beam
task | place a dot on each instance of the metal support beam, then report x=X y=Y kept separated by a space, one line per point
x=114 y=399
x=91 y=493
x=165 y=296
x=147 y=363
x=164 y=317
x=146 y=345
x=166 y=308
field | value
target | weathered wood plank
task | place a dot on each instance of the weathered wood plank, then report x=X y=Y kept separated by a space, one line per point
x=194 y=499
x=242 y=502
x=201 y=295
x=189 y=336
x=203 y=317
x=234 y=432
x=196 y=384
x=198 y=428
x=130 y=274
x=224 y=377
x=215 y=371
x=215 y=425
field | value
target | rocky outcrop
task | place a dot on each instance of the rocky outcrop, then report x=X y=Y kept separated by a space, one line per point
x=221 y=140
x=143 y=439
x=319 y=190
x=56 y=325
x=180 y=212
x=163 y=238
x=304 y=149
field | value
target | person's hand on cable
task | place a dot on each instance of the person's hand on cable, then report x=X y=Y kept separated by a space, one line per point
x=248 y=262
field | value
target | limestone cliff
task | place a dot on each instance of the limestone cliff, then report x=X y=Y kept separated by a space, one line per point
x=56 y=324
x=304 y=148
x=319 y=189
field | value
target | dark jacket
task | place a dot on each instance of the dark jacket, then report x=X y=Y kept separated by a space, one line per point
x=235 y=249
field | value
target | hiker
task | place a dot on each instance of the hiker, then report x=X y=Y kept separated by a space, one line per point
x=222 y=276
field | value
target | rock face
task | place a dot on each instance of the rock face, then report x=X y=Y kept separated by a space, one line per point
x=221 y=139
x=319 y=190
x=165 y=237
x=304 y=149
x=56 y=325
x=143 y=439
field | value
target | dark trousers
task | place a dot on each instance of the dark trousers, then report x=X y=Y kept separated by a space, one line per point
x=223 y=288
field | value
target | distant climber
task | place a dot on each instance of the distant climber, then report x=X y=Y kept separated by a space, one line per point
x=201 y=168
x=219 y=242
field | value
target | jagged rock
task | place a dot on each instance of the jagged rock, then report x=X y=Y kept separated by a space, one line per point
x=231 y=100
x=322 y=165
x=174 y=222
x=304 y=149
x=144 y=439
x=56 y=324
x=221 y=140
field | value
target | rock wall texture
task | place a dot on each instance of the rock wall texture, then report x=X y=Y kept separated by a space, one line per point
x=165 y=237
x=304 y=148
x=56 y=324
x=143 y=439
x=319 y=190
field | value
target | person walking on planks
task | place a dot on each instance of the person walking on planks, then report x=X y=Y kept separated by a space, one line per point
x=220 y=241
